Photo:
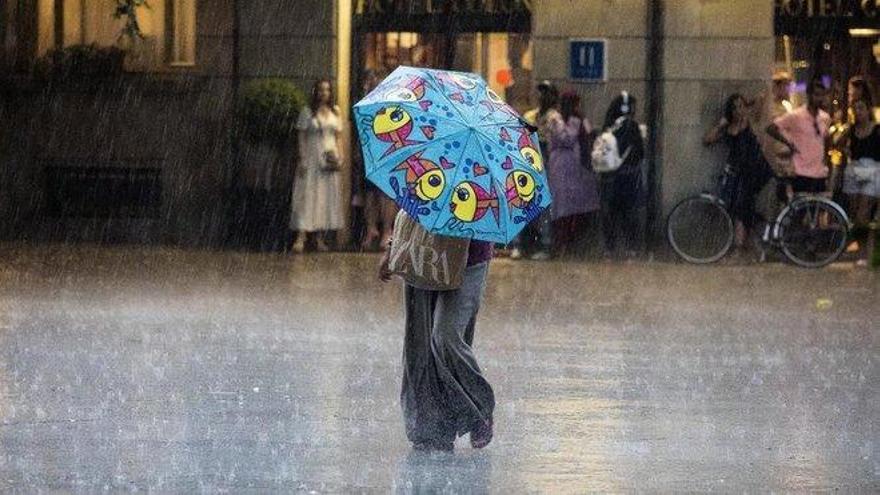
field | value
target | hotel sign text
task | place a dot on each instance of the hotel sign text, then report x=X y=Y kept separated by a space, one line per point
x=828 y=8
x=429 y=7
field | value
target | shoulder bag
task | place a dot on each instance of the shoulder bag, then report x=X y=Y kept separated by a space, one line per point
x=424 y=260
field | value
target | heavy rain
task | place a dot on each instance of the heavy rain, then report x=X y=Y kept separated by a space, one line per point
x=448 y=246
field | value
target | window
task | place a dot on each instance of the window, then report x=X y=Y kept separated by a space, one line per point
x=168 y=28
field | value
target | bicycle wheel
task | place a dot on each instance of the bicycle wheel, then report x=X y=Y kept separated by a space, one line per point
x=700 y=230
x=813 y=232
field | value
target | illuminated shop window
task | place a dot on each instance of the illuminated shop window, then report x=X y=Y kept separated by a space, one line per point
x=168 y=28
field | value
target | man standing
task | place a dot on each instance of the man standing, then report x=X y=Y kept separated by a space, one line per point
x=776 y=106
x=805 y=131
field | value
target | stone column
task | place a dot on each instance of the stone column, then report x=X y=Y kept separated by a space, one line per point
x=712 y=48
x=621 y=22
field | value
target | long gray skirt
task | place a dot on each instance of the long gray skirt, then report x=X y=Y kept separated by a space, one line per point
x=444 y=394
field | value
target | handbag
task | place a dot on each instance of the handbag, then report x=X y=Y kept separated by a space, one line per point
x=330 y=161
x=424 y=260
x=606 y=156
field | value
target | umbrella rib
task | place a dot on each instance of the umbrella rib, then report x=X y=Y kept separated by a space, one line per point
x=451 y=103
x=514 y=157
x=451 y=184
x=389 y=162
x=501 y=197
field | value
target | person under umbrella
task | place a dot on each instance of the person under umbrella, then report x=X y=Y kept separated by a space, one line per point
x=461 y=164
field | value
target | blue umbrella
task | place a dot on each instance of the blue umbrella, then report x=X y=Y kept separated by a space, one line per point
x=452 y=154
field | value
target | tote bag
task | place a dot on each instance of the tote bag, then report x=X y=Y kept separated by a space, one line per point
x=424 y=260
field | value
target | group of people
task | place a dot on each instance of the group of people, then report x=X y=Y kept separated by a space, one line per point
x=581 y=196
x=582 y=199
x=776 y=151
x=773 y=149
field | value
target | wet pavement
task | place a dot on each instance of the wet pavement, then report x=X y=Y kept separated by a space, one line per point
x=160 y=369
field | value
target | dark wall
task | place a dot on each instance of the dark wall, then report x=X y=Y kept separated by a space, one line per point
x=174 y=126
x=177 y=120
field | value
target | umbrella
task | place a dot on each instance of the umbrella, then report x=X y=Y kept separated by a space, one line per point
x=452 y=154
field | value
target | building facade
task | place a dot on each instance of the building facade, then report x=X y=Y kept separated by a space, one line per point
x=173 y=111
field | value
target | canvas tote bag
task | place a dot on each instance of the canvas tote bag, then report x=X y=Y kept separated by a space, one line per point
x=424 y=260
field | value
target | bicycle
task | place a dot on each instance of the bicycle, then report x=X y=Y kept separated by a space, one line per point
x=810 y=230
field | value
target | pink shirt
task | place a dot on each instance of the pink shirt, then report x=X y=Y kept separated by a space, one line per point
x=808 y=134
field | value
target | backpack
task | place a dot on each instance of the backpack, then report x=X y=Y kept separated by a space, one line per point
x=606 y=155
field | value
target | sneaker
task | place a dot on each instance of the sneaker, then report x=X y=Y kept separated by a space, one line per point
x=481 y=435
x=515 y=254
x=540 y=256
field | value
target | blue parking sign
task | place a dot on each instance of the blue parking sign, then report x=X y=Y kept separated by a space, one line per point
x=588 y=60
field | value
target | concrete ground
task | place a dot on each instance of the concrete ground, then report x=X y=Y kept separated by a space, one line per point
x=159 y=369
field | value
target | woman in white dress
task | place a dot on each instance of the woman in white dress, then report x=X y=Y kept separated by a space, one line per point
x=316 y=208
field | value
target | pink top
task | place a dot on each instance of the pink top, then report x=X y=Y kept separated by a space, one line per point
x=808 y=134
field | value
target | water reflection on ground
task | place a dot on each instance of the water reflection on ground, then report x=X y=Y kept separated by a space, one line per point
x=441 y=472
x=126 y=369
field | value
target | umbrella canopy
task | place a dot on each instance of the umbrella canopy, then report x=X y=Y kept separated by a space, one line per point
x=452 y=154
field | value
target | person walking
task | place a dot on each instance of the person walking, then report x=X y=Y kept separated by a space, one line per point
x=573 y=185
x=444 y=394
x=747 y=170
x=619 y=191
x=315 y=204
x=805 y=131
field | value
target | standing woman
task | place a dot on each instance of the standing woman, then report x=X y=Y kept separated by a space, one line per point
x=534 y=240
x=620 y=190
x=748 y=169
x=861 y=180
x=573 y=185
x=315 y=206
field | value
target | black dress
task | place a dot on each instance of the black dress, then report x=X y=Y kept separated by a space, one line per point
x=867 y=147
x=620 y=191
x=750 y=172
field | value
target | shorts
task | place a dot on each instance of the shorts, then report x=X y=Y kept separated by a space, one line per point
x=862 y=179
x=810 y=185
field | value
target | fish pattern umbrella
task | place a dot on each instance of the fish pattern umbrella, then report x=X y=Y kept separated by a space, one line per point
x=452 y=154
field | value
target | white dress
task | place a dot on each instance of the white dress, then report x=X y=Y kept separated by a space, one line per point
x=315 y=205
